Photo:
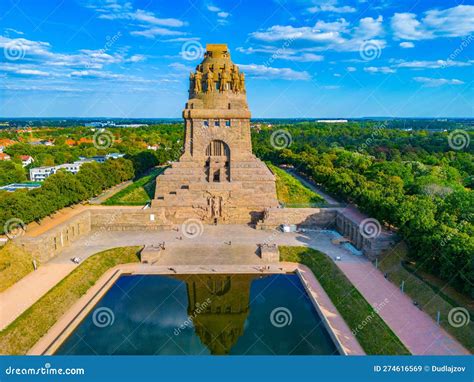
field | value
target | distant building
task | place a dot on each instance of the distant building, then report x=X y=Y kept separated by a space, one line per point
x=154 y=147
x=4 y=156
x=4 y=143
x=42 y=143
x=26 y=160
x=332 y=120
x=39 y=174
x=20 y=186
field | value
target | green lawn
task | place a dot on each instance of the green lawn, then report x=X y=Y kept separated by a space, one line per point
x=291 y=192
x=431 y=298
x=31 y=325
x=138 y=193
x=375 y=337
x=15 y=264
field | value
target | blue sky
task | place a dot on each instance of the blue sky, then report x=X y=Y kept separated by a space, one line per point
x=302 y=58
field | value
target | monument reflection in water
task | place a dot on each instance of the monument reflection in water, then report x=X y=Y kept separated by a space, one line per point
x=202 y=314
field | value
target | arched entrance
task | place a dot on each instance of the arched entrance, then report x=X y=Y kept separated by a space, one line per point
x=218 y=161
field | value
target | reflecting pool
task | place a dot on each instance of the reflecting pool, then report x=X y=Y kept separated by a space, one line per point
x=237 y=314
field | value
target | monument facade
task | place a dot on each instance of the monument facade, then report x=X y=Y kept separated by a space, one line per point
x=217 y=179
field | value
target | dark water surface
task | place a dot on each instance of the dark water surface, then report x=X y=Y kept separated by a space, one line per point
x=202 y=314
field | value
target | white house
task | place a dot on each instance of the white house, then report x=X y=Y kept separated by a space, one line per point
x=26 y=160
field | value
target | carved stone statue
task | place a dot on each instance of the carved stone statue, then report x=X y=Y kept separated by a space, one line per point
x=242 y=82
x=191 y=81
x=225 y=76
x=197 y=82
x=209 y=81
x=235 y=80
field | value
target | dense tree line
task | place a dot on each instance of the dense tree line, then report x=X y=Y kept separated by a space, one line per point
x=64 y=189
x=416 y=185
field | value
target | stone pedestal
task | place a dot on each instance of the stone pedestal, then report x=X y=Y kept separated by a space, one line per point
x=269 y=253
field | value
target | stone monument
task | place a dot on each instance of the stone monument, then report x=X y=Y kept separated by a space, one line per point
x=217 y=179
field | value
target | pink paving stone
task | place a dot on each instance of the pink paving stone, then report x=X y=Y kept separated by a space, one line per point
x=418 y=332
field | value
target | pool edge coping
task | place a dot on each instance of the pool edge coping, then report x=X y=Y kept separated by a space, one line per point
x=337 y=328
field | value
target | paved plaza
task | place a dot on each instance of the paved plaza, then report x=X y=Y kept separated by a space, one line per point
x=227 y=245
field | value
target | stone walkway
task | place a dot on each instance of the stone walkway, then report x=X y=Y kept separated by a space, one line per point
x=417 y=330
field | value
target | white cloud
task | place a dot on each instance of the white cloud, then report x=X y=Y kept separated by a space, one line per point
x=32 y=72
x=332 y=9
x=301 y=55
x=136 y=58
x=213 y=8
x=407 y=45
x=338 y=35
x=452 y=22
x=157 y=31
x=432 y=64
x=379 y=69
x=11 y=30
x=94 y=74
x=267 y=72
x=26 y=70
x=435 y=82
x=351 y=69
x=222 y=15
x=152 y=24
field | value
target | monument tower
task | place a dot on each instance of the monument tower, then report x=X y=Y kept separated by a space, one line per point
x=217 y=179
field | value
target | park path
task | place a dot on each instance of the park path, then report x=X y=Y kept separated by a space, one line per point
x=20 y=296
x=416 y=329
x=327 y=198
x=110 y=192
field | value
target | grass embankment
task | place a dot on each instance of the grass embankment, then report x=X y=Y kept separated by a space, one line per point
x=31 y=325
x=138 y=193
x=291 y=192
x=15 y=263
x=375 y=337
x=430 y=296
